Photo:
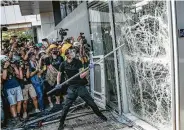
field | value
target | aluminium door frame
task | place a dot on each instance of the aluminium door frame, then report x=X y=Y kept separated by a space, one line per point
x=115 y=57
x=175 y=65
x=100 y=102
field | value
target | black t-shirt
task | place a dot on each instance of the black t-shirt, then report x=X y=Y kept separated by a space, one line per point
x=56 y=62
x=25 y=80
x=72 y=69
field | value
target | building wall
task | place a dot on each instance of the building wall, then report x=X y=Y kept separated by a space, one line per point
x=12 y=15
x=77 y=21
x=39 y=34
x=180 y=25
x=47 y=24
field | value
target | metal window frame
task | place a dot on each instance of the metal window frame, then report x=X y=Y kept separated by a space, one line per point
x=100 y=102
x=175 y=66
x=115 y=57
x=123 y=93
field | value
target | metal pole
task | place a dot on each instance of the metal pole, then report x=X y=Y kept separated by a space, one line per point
x=60 y=85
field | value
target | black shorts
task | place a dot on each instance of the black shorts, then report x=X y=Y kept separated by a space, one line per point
x=58 y=92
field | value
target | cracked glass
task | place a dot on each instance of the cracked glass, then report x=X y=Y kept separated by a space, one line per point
x=143 y=27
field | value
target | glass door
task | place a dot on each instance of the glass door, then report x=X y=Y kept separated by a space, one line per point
x=144 y=29
x=102 y=45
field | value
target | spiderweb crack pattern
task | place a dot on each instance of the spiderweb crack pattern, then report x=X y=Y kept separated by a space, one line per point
x=147 y=63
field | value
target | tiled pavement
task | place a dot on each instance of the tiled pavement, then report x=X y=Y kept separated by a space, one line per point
x=89 y=122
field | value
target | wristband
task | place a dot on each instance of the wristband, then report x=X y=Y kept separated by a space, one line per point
x=5 y=68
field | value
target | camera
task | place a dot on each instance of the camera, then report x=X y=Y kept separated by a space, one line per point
x=13 y=61
x=6 y=43
x=44 y=40
x=63 y=32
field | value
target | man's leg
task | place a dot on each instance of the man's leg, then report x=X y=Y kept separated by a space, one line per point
x=19 y=100
x=70 y=98
x=33 y=95
x=40 y=95
x=25 y=106
x=19 y=107
x=35 y=102
x=25 y=109
x=12 y=101
x=47 y=89
x=25 y=96
x=84 y=94
x=58 y=100
x=13 y=110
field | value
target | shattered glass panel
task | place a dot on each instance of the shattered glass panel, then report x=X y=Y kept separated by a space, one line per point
x=143 y=27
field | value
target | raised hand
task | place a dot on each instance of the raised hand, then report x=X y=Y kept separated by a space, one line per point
x=7 y=63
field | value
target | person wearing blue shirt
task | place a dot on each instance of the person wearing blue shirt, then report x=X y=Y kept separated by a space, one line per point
x=36 y=79
x=12 y=87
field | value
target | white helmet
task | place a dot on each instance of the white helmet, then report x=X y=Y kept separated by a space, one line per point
x=76 y=44
x=41 y=51
x=3 y=58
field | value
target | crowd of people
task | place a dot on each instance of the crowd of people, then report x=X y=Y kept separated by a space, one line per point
x=29 y=71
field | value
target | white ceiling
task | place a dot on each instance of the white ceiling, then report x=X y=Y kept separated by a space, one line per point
x=35 y=7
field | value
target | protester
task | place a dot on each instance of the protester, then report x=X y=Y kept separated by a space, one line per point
x=76 y=87
x=52 y=69
x=28 y=89
x=11 y=73
x=36 y=79
x=29 y=70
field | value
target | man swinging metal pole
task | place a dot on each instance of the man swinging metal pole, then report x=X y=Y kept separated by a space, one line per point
x=76 y=87
x=60 y=85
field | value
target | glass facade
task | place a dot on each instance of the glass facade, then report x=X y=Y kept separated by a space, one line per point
x=143 y=27
x=67 y=7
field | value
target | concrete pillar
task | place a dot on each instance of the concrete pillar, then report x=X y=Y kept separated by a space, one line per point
x=47 y=23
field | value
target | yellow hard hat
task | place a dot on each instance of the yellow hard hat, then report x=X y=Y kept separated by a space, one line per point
x=52 y=46
x=59 y=46
x=65 y=47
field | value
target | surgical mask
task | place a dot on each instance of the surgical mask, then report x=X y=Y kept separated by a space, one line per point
x=72 y=53
x=54 y=56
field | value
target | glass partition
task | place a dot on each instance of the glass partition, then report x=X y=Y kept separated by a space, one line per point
x=143 y=27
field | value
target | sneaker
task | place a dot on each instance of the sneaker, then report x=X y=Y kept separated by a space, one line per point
x=102 y=117
x=19 y=117
x=25 y=115
x=14 y=120
x=37 y=110
x=51 y=105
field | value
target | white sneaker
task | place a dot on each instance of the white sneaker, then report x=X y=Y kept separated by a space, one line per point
x=25 y=115
x=51 y=105
x=37 y=110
